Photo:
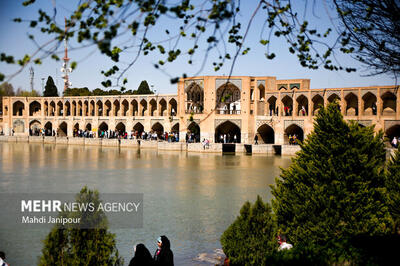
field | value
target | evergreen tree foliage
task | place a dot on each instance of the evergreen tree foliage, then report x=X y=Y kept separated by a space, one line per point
x=334 y=188
x=252 y=236
x=50 y=90
x=66 y=245
x=143 y=88
x=393 y=188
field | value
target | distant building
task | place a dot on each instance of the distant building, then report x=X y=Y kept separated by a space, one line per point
x=211 y=107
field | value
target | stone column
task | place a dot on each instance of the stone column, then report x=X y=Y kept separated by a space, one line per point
x=379 y=104
x=310 y=105
x=294 y=105
x=64 y=109
x=397 y=104
x=57 y=110
x=360 y=104
x=121 y=110
x=280 y=105
x=343 y=104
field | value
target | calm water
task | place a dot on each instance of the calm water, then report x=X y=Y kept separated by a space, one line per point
x=191 y=198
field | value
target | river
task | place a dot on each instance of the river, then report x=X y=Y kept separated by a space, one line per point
x=189 y=197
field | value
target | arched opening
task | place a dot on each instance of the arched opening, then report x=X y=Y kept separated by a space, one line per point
x=73 y=106
x=79 y=111
x=46 y=108
x=60 y=108
x=153 y=107
x=52 y=108
x=287 y=105
x=261 y=90
x=194 y=98
x=62 y=129
x=163 y=107
x=293 y=134
x=272 y=106
x=228 y=99
x=88 y=127
x=107 y=108
x=134 y=108
x=120 y=128
x=99 y=105
x=125 y=108
x=34 y=108
x=92 y=107
x=351 y=104
x=318 y=102
x=369 y=104
x=173 y=107
x=143 y=106
x=266 y=133
x=18 y=108
x=175 y=128
x=388 y=103
x=193 y=133
x=86 y=108
x=138 y=128
x=48 y=129
x=158 y=128
x=34 y=128
x=302 y=105
x=67 y=108
x=227 y=132
x=103 y=127
x=334 y=97
x=393 y=132
x=116 y=107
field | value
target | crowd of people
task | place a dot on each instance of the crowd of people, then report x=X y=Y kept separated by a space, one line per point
x=228 y=138
x=42 y=132
x=293 y=139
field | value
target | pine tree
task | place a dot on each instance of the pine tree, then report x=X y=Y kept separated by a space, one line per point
x=67 y=245
x=144 y=88
x=333 y=189
x=50 y=90
x=252 y=236
x=393 y=188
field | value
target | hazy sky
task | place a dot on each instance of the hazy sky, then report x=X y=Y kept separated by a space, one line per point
x=15 y=41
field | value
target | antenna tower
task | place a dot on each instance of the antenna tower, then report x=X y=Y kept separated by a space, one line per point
x=31 y=74
x=65 y=67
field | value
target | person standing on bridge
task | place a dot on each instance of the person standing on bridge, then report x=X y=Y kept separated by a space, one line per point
x=256 y=139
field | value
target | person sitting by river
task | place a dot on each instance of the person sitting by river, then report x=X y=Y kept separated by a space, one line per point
x=142 y=256
x=164 y=255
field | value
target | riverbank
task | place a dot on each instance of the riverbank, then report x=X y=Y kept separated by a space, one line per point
x=270 y=149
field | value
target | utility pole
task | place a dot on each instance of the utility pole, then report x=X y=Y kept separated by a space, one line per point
x=65 y=68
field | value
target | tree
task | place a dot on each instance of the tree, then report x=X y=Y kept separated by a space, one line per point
x=143 y=88
x=219 y=27
x=66 y=245
x=371 y=31
x=334 y=189
x=6 y=89
x=50 y=90
x=252 y=236
x=393 y=188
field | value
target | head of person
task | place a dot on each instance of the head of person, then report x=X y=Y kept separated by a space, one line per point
x=141 y=251
x=163 y=242
x=2 y=255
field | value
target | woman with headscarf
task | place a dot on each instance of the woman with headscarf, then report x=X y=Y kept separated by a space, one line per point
x=142 y=256
x=164 y=255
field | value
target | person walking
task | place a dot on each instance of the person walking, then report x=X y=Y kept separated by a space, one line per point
x=142 y=256
x=256 y=139
x=164 y=255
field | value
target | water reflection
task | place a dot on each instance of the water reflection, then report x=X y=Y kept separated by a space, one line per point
x=189 y=197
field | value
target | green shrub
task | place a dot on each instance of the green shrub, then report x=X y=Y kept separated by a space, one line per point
x=252 y=236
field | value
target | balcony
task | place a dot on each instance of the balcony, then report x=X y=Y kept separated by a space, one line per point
x=227 y=112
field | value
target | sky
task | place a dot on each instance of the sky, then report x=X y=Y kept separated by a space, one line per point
x=15 y=41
